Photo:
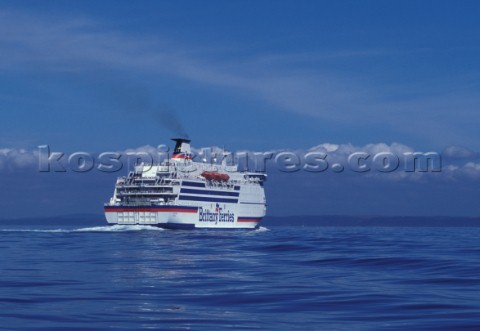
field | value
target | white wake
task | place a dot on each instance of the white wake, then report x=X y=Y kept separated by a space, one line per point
x=113 y=228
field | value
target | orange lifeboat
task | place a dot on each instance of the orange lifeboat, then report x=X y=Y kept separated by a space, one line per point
x=210 y=175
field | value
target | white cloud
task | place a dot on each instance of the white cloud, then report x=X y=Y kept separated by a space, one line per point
x=459 y=152
x=470 y=169
x=339 y=153
x=17 y=159
x=13 y=159
x=325 y=148
x=142 y=149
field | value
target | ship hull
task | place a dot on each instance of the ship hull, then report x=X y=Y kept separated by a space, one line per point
x=182 y=217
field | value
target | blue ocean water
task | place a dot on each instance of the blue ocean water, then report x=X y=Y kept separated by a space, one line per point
x=280 y=278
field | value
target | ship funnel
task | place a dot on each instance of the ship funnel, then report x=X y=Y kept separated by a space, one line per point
x=182 y=149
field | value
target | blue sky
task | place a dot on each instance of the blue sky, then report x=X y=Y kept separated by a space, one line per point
x=254 y=75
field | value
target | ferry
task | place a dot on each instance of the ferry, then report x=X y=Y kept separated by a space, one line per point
x=180 y=193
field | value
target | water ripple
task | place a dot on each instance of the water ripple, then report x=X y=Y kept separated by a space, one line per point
x=281 y=278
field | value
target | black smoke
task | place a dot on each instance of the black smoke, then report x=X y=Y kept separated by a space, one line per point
x=134 y=98
x=168 y=118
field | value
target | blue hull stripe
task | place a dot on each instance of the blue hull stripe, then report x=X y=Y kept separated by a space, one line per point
x=194 y=184
x=197 y=184
x=177 y=226
x=207 y=199
x=209 y=192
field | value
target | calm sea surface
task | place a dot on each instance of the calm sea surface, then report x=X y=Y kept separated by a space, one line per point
x=280 y=278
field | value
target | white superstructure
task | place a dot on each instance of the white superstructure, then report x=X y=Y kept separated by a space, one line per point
x=181 y=193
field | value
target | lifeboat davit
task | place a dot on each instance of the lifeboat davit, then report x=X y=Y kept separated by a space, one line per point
x=210 y=175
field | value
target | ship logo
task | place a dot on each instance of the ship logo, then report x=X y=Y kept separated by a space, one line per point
x=206 y=215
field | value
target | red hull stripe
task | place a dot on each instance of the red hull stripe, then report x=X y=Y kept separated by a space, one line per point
x=156 y=210
x=181 y=156
x=248 y=219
